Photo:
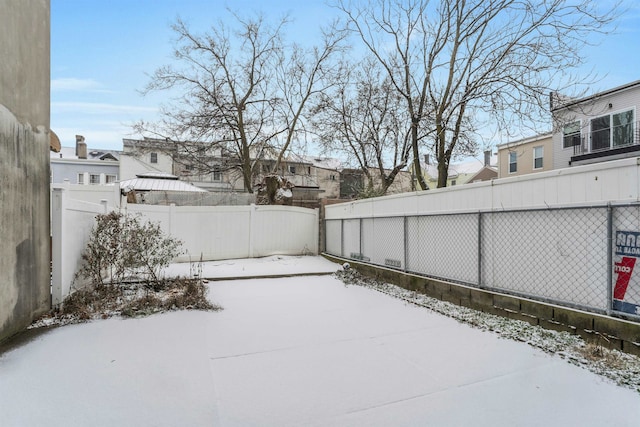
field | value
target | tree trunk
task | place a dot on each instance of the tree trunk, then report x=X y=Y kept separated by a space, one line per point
x=416 y=155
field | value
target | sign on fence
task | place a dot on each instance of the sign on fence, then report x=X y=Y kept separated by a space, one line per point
x=626 y=291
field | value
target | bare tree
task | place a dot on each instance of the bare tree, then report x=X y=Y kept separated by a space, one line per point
x=231 y=100
x=456 y=61
x=362 y=118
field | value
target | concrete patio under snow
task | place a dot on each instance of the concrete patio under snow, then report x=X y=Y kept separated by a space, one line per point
x=298 y=351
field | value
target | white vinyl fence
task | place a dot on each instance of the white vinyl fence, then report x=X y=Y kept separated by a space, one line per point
x=210 y=232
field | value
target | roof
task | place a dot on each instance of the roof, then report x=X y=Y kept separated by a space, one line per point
x=571 y=102
x=93 y=154
x=154 y=184
x=526 y=140
x=469 y=167
x=157 y=175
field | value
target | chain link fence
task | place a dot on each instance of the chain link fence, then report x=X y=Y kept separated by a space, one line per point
x=581 y=257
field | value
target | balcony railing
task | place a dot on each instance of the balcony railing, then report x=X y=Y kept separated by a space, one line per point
x=606 y=142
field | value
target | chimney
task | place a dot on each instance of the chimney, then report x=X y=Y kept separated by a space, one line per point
x=487 y=157
x=81 y=147
x=426 y=159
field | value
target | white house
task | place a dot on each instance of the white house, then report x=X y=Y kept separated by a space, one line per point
x=596 y=128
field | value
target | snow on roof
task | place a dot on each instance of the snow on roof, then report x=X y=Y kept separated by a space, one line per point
x=157 y=175
x=154 y=184
x=468 y=167
x=320 y=161
x=93 y=154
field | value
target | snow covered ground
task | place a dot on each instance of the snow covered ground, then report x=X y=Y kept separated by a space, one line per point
x=298 y=351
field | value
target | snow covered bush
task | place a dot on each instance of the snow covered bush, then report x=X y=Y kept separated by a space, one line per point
x=125 y=247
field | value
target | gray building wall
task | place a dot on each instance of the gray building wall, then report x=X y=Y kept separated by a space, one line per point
x=62 y=169
x=24 y=162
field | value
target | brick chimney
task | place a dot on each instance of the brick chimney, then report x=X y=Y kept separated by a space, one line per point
x=81 y=147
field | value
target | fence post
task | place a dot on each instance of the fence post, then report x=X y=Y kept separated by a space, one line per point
x=172 y=217
x=479 y=249
x=252 y=231
x=58 y=209
x=360 y=247
x=342 y=237
x=316 y=231
x=609 y=259
x=405 y=221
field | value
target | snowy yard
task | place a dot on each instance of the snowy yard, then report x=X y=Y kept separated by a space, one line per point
x=298 y=351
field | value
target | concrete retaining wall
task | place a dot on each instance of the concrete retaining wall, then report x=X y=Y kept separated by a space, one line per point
x=607 y=331
x=24 y=163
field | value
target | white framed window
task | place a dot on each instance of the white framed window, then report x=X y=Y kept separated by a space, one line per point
x=513 y=162
x=611 y=131
x=110 y=178
x=571 y=134
x=154 y=158
x=292 y=169
x=538 y=155
x=80 y=178
x=94 y=179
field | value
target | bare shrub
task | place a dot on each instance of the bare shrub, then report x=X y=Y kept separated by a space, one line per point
x=125 y=247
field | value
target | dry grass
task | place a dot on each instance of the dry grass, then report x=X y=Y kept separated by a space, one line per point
x=129 y=300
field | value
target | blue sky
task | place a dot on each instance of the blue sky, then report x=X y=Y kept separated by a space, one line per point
x=102 y=51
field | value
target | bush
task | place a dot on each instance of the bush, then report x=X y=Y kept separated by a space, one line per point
x=125 y=247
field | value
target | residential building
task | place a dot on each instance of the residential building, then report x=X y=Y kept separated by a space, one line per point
x=314 y=178
x=79 y=165
x=596 y=128
x=150 y=155
x=353 y=182
x=460 y=173
x=525 y=156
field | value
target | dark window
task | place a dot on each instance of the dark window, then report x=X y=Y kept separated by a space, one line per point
x=513 y=162
x=154 y=157
x=538 y=154
x=217 y=173
x=623 y=129
x=600 y=133
x=571 y=135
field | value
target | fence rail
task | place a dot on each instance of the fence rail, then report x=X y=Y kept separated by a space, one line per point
x=579 y=257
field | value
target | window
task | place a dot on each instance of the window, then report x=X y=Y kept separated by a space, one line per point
x=292 y=169
x=513 y=162
x=453 y=182
x=217 y=173
x=600 y=133
x=111 y=178
x=94 y=179
x=611 y=131
x=571 y=135
x=622 y=132
x=80 y=178
x=154 y=157
x=538 y=154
